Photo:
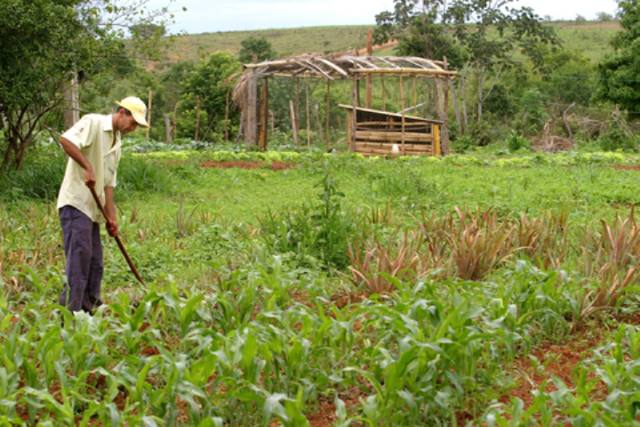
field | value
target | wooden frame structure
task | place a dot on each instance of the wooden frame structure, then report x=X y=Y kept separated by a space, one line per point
x=252 y=91
x=381 y=133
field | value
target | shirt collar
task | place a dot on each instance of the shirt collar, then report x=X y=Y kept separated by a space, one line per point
x=107 y=126
x=107 y=123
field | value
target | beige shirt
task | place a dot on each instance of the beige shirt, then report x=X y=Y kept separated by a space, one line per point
x=93 y=135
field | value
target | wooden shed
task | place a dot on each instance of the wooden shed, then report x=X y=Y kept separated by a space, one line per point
x=381 y=132
x=373 y=131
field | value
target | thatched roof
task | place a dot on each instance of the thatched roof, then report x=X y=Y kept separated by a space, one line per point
x=348 y=66
x=341 y=67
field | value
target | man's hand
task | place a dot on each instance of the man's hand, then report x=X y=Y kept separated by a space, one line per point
x=89 y=178
x=112 y=228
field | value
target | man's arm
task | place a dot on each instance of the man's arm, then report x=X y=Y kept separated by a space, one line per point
x=75 y=153
x=110 y=209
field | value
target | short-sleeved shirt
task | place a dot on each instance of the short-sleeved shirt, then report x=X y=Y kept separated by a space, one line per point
x=93 y=134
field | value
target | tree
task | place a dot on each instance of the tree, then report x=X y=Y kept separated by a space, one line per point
x=619 y=71
x=478 y=34
x=206 y=91
x=43 y=43
x=255 y=49
x=604 y=17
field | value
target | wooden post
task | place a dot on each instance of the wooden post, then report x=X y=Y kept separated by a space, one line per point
x=350 y=128
x=296 y=101
x=369 y=84
x=308 y=114
x=195 y=137
x=272 y=121
x=354 y=113
x=456 y=106
x=415 y=92
x=226 y=114
x=263 y=115
x=435 y=130
x=327 y=99
x=445 y=130
x=438 y=97
x=402 y=106
x=251 y=119
x=463 y=101
x=146 y=136
x=294 y=122
x=384 y=94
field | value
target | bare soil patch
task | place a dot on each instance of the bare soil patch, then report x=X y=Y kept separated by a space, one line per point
x=555 y=361
x=627 y=167
x=245 y=164
x=325 y=415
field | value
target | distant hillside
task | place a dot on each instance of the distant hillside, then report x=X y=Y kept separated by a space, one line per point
x=591 y=38
x=286 y=42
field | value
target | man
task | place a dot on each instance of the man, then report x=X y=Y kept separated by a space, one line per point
x=94 y=148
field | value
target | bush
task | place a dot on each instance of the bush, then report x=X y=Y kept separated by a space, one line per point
x=136 y=174
x=616 y=138
x=39 y=177
x=463 y=143
x=517 y=142
x=320 y=231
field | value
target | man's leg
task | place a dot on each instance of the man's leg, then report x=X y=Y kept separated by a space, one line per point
x=77 y=233
x=92 y=295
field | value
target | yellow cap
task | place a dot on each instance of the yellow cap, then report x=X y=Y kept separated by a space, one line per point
x=137 y=108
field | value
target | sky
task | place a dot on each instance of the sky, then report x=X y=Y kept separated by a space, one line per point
x=236 y=15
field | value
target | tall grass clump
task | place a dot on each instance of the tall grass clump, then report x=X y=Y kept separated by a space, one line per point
x=136 y=174
x=38 y=178
x=611 y=259
x=316 y=231
x=465 y=244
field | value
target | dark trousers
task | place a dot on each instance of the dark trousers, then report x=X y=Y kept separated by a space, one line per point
x=84 y=267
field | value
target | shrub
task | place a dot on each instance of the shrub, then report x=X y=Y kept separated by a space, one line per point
x=39 y=177
x=463 y=143
x=315 y=231
x=517 y=142
x=616 y=138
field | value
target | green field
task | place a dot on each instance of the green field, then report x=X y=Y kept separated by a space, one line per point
x=590 y=38
x=335 y=290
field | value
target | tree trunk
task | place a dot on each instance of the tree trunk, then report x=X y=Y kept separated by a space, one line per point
x=167 y=128
x=72 y=104
x=480 y=94
x=456 y=106
x=463 y=100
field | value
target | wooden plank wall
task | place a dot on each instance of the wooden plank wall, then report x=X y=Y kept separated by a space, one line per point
x=372 y=135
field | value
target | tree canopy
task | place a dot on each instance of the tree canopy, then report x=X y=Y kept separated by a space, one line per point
x=43 y=43
x=619 y=82
x=256 y=49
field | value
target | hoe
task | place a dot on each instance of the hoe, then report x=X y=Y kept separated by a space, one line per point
x=117 y=238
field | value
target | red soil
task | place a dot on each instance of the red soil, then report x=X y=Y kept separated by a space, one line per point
x=556 y=361
x=245 y=164
x=627 y=167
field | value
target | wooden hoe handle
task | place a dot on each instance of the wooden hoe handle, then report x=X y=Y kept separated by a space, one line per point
x=132 y=267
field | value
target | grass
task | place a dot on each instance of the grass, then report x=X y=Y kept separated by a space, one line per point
x=590 y=38
x=285 y=42
x=234 y=328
